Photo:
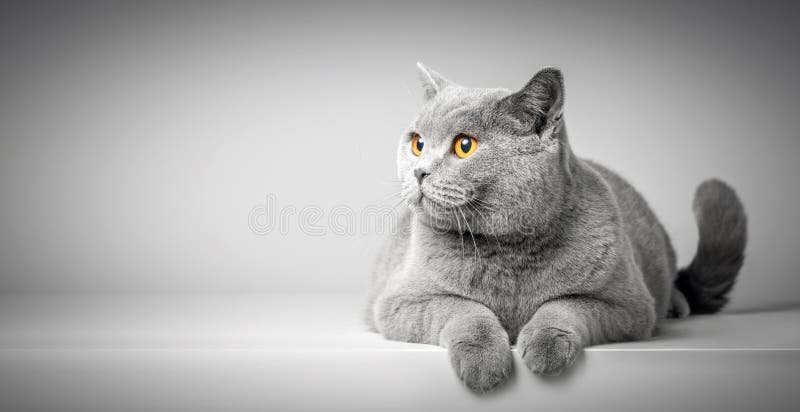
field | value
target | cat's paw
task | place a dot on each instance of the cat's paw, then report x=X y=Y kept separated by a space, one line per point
x=549 y=351
x=482 y=365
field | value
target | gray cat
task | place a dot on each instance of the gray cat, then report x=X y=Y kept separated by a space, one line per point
x=509 y=238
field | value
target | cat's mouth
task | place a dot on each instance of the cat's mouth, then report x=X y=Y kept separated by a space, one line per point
x=442 y=204
x=437 y=200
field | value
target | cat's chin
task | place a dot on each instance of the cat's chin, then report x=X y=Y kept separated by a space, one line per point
x=436 y=215
x=434 y=209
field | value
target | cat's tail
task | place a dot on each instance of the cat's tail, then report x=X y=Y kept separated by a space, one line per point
x=722 y=224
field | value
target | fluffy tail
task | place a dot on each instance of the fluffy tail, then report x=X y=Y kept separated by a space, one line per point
x=720 y=253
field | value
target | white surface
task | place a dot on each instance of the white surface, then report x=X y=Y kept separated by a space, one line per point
x=311 y=353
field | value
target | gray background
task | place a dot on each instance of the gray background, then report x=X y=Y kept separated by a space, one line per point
x=136 y=139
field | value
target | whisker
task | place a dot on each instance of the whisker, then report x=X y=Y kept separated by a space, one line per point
x=477 y=258
x=489 y=206
x=473 y=211
x=460 y=234
x=388 y=197
x=397 y=204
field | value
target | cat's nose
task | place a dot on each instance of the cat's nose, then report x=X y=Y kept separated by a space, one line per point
x=420 y=174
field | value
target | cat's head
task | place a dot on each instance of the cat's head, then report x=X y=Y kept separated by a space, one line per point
x=486 y=160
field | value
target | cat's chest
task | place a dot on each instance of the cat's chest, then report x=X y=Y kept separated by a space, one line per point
x=495 y=268
x=513 y=282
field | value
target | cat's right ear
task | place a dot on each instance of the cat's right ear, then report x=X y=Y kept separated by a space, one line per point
x=432 y=82
x=539 y=105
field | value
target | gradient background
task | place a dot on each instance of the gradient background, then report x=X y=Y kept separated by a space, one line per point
x=136 y=138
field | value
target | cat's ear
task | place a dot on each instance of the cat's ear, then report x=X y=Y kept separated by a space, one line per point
x=540 y=104
x=432 y=82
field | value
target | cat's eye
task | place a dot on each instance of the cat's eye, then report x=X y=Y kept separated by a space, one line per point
x=417 y=143
x=464 y=146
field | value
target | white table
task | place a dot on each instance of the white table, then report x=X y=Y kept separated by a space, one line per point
x=274 y=353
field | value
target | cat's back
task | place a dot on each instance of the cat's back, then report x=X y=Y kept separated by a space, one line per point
x=652 y=249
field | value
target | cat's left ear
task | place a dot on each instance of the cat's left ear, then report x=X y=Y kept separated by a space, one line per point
x=540 y=104
x=432 y=81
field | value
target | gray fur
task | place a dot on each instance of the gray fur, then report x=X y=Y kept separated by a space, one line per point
x=523 y=242
x=720 y=252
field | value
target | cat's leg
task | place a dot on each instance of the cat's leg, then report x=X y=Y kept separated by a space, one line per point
x=561 y=328
x=476 y=342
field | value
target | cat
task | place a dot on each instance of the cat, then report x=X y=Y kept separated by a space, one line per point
x=509 y=239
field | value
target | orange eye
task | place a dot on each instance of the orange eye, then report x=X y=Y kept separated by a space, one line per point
x=417 y=143
x=464 y=146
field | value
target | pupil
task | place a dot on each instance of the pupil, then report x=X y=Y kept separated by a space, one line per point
x=466 y=144
x=420 y=143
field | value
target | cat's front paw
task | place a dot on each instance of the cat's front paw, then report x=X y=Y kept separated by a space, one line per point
x=482 y=365
x=549 y=351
